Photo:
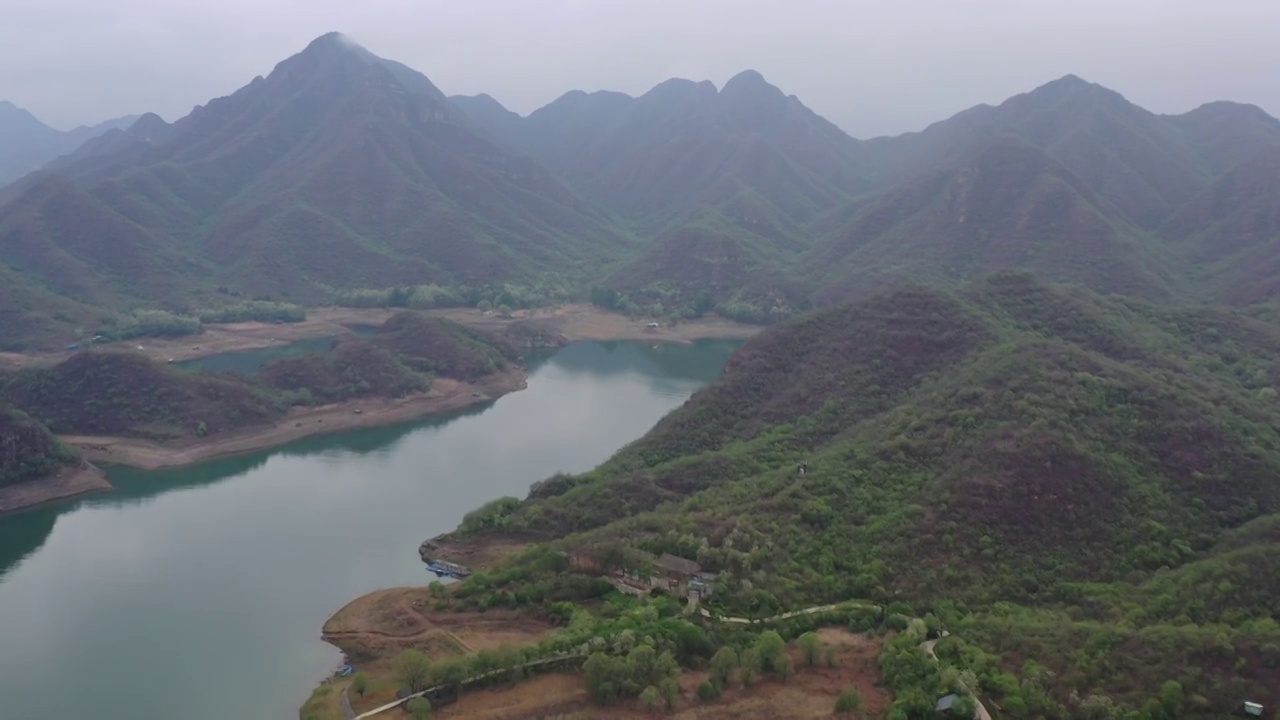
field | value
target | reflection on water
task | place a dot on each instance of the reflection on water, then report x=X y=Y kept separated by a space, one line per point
x=199 y=592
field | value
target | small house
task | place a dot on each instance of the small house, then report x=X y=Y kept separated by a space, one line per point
x=1252 y=709
x=676 y=571
x=654 y=325
x=945 y=702
x=703 y=585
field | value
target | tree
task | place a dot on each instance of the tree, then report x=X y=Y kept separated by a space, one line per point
x=707 y=691
x=601 y=672
x=643 y=662
x=484 y=305
x=452 y=673
x=504 y=310
x=413 y=669
x=830 y=657
x=723 y=663
x=770 y=646
x=669 y=689
x=749 y=667
x=810 y=645
x=850 y=700
x=419 y=708
x=784 y=667
x=649 y=698
x=360 y=683
x=1171 y=699
x=964 y=707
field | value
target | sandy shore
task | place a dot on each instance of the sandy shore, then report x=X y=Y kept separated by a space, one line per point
x=73 y=481
x=572 y=322
x=445 y=395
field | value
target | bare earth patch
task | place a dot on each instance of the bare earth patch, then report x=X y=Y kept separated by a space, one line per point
x=811 y=693
x=378 y=626
x=586 y=322
x=444 y=395
x=67 y=483
x=477 y=553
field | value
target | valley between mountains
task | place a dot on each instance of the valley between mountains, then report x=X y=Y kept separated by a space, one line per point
x=1008 y=413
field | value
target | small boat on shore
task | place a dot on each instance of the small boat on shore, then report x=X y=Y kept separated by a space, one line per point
x=448 y=569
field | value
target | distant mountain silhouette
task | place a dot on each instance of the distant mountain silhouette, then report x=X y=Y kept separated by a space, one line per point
x=341 y=172
x=1008 y=204
x=26 y=144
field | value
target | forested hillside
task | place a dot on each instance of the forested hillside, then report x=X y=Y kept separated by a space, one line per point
x=1016 y=433
x=1048 y=467
x=27 y=450
x=120 y=393
x=344 y=177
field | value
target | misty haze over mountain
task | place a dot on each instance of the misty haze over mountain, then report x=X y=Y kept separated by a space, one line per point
x=341 y=176
x=871 y=68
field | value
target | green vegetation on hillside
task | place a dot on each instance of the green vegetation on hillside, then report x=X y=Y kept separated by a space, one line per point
x=688 y=199
x=106 y=392
x=121 y=393
x=1104 y=462
x=27 y=450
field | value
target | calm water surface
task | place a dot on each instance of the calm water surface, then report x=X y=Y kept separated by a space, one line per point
x=199 y=593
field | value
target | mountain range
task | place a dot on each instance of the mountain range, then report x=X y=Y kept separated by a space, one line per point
x=26 y=144
x=341 y=171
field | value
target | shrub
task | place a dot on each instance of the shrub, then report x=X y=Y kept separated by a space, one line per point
x=850 y=700
x=707 y=691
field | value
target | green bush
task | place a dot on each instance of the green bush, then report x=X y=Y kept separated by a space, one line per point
x=850 y=701
x=257 y=311
x=707 y=691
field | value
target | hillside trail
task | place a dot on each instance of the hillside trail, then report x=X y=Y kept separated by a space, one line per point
x=927 y=646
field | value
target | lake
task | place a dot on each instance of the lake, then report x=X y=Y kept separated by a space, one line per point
x=200 y=592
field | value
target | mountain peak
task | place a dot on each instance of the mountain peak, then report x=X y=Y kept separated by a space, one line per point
x=750 y=87
x=680 y=89
x=747 y=78
x=8 y=109
x=750 y=82
x=1069 y=85
x=335 y=40
x=1071 y=80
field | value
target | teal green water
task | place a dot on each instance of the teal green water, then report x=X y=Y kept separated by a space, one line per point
x=199 y=593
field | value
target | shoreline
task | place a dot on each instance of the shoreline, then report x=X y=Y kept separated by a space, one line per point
x=445 y=395
x=571 y=323
x=69 y=483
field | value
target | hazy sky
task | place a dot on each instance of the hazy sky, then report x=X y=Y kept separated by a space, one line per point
x=873 y=67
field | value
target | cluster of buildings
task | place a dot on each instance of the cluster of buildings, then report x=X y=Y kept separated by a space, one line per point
x=642 y=571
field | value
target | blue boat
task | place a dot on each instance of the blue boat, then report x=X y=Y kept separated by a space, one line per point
x=448 y=569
